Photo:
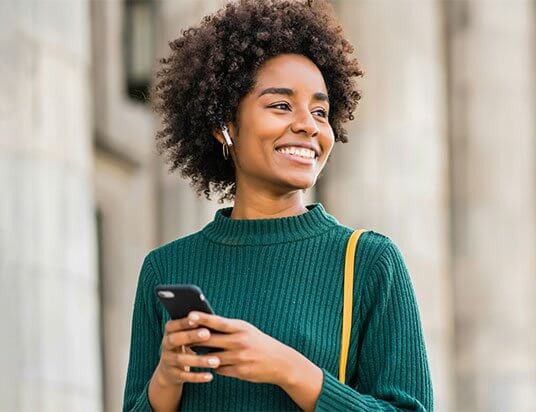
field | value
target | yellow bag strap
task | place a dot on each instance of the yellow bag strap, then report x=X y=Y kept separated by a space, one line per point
x=348 y=294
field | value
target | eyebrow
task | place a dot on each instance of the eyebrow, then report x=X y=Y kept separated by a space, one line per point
x=289 y=92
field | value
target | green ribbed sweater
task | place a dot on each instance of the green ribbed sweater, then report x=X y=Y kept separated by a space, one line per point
x=285 y=276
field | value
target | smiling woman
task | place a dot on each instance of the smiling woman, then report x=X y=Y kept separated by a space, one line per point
x=229 y=71
x=252 y=102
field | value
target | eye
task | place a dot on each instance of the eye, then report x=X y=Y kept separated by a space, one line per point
x=286 y=105
x=275 y=106
x=324 y=113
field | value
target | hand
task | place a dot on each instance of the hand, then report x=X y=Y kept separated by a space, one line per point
x=177 y=357
x=248 y=353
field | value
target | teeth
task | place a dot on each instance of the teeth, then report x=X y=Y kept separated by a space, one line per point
x=299 y=151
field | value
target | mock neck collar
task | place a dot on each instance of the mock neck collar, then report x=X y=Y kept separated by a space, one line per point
x=226 y=230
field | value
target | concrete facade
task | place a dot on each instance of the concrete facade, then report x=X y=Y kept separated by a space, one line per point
x=49 y=351
x=441 y=158
x=492 y=69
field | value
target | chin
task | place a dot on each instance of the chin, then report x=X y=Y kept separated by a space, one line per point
x=294 y=181
x=294 y=185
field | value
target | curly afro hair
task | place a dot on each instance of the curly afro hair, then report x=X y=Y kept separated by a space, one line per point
x=211 y=67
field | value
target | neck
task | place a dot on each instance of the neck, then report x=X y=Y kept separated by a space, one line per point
x=258 y=205
x=265 y=211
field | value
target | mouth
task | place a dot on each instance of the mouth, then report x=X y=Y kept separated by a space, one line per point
x=297 y=159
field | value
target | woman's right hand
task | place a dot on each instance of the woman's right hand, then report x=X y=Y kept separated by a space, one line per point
x=177 y=357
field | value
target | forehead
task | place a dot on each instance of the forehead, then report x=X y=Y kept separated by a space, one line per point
x=291 y=70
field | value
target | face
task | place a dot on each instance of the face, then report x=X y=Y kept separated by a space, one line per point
x=287 y=106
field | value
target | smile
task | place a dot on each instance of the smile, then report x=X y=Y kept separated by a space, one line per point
x=297 y=159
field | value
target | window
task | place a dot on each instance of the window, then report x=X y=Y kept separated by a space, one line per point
x=139 y=47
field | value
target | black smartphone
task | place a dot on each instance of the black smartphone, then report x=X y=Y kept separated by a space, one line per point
x=181 y=299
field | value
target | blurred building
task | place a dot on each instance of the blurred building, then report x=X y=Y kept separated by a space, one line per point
x=441 y=158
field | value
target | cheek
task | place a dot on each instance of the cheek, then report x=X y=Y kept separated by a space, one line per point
x=263 y=133
x=270 y=126
x=254 y=149
x=327 y=141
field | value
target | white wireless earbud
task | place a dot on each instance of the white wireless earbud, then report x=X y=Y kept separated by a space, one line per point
x=226 y=135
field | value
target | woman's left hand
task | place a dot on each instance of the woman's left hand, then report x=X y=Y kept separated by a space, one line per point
x=246 y=352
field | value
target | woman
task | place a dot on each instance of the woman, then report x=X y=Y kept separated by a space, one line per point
x=252 y=103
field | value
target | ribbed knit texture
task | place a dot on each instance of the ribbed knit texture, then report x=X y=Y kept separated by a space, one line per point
x=285 y=276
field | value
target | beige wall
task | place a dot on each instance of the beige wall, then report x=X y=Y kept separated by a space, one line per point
x=493 y=132
x=49 y=350
x=440 y=158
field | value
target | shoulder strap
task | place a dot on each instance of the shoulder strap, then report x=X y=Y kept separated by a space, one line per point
x=348 y=293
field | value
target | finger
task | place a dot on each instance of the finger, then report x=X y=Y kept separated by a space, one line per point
x=227 y=371
x=243 y=371
x=231 y=357
x=177 y=325
x=219 y=323
x=223 y=341
x=169 y=357
x=187 y=360
x=187 y=349
x=173 y=341
x=194 y=377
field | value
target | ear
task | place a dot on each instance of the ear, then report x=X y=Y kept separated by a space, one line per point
x=218 y=135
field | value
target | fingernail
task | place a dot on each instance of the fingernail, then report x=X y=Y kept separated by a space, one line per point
x=203 y=333
x=194 y=316
x=191 y=323
x=213 y=361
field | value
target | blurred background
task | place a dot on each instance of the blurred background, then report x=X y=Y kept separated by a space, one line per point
x=441 y=158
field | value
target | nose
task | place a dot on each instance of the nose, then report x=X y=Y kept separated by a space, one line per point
x=305 y=122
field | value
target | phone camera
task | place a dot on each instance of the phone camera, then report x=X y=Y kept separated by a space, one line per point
x=166 y=294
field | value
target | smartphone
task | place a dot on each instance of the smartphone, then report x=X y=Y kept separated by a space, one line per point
x=181 y=299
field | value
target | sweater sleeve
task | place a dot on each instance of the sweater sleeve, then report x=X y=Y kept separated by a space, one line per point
x=392 y=372
x=146 y=337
